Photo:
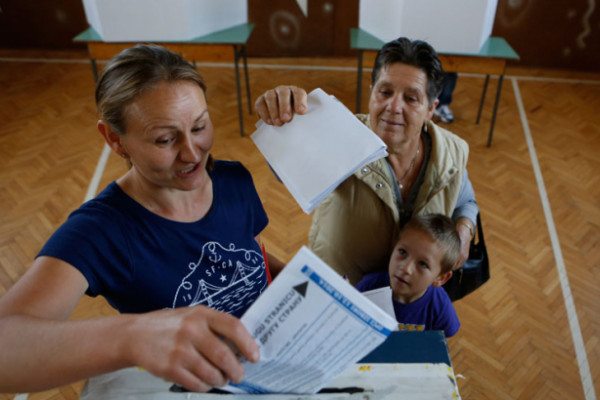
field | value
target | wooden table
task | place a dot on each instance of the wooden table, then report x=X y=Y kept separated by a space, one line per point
x=491 y=59
x=212 y=47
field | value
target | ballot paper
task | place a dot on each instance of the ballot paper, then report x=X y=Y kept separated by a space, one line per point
x=318 y=150
x=382 y=297
x=310 y=326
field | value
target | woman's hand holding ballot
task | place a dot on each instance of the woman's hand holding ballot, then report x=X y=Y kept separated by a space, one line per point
x=278 y=106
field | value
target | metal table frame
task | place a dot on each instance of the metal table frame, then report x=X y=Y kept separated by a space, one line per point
x=203 y=48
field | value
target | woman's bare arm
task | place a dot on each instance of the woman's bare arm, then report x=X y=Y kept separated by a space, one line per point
x=42 y=349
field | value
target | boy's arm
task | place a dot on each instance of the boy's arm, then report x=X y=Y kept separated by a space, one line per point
x=445 y=318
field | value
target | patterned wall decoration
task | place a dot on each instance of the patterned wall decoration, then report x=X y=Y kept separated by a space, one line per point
x=558 y=34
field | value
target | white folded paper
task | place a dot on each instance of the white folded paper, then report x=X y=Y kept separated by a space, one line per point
x=317 y=151
x=310 y=326
x=382 y=297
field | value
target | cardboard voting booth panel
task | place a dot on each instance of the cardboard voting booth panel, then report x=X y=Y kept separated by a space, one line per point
x=450 y=26
x=162 y=20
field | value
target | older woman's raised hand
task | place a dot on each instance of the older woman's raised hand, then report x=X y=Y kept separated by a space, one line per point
x=278 y=106
x=194 y=347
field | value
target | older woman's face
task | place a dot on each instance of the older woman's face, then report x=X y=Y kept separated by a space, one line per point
x=169 y=135
x=398 y=106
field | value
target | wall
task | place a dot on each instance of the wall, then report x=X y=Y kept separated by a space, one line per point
x=552 y=33
x=41 y=23
x=282 y=29
x=545 y=33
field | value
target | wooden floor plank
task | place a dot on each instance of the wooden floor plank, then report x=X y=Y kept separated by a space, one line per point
x=515 y=341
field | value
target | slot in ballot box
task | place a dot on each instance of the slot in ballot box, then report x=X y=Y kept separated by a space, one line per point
x=407 y=365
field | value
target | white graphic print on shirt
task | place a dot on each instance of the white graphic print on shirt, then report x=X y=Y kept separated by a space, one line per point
x=226 y=279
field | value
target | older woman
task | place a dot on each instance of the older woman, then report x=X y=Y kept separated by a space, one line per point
x=353 y=230
x=171 y=232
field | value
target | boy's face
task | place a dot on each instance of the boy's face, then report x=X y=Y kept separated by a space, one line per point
x=415 y=264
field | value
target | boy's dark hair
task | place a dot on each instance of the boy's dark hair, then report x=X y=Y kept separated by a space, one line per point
x=442 y=229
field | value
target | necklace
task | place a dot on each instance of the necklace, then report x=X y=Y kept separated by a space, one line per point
x=410 y=167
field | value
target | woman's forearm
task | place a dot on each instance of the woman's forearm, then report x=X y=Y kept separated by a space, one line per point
x=39 y=354
x=189 y=346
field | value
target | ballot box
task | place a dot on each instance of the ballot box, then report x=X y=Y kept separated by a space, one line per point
x=450 y=26
x=409 y=365
x=162 y=20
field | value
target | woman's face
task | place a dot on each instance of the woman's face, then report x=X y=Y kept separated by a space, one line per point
x=398 y=106
x=169 y=135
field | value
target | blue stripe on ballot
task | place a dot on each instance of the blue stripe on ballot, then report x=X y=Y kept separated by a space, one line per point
x=344 y=301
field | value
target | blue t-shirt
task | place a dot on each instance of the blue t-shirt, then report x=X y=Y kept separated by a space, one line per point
x=141 y=262
x=433 y=311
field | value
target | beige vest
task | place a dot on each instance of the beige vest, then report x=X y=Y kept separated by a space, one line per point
x=354 y=229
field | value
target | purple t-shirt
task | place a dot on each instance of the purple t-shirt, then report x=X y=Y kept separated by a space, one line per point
x=433 y=311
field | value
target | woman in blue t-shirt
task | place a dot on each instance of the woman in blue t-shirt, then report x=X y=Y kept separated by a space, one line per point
x=177 y=229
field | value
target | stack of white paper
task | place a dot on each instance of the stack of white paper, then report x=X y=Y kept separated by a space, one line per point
x=310 y=325
x=317 y=151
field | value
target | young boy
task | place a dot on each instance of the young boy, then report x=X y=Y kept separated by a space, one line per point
x=427 y=249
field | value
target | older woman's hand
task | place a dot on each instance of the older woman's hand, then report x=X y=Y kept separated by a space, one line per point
x=278 y=106
x=465 y=230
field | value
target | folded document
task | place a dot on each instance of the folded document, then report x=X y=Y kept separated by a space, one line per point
x=310 y=325
x=382 y=297
x=318 y=150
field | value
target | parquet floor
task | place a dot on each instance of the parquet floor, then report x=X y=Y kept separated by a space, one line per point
x=531 y=333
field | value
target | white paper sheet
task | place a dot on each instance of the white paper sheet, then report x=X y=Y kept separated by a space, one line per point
x=316 y=151
x=382 y=297
x=310 y=325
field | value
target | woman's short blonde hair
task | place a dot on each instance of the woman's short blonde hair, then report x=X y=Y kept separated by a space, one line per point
x=131 y=72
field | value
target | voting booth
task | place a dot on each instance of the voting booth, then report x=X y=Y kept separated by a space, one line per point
x=450 y=26
x=162 y=20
